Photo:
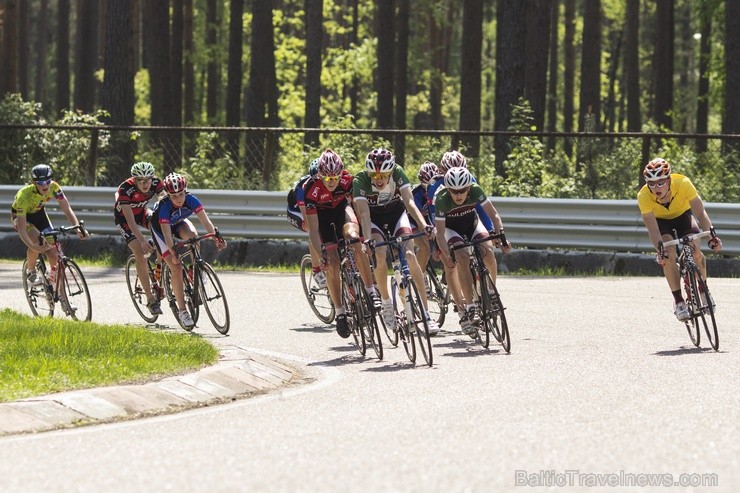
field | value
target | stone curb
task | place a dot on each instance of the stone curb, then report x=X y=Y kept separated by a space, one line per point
x=238 y=374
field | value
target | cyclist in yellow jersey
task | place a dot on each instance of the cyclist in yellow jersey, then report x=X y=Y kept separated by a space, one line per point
x=30 y=220
x=669 y=201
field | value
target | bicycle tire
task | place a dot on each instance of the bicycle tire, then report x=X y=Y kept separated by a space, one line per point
x=39 y=297
x=692 y=323
x=191 y=307
x=421 y=323
x=214 y=299
x=438 y=297
x=354 y=321
x=391 y=335
x=486 y=312
x=499 y=318
x=402 y=325
x=708 y=308
x=78 y=295
x=370 y=325
x=323 y=309
x=136 y=290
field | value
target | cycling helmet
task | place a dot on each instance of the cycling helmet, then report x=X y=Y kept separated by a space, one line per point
x=657 y=169
x=452 y=159
x=380 y=161
x=41 y=172
x=313 y=168
x=330 y=164
x=175 y=182
x=142 y=170
x=427 y=172
x=458 y=178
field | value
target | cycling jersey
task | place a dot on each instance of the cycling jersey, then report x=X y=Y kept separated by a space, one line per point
x=165 y=212
x=297 y=195
x=128 y=194
x=28 y=200
x=419 y=192
x=682 y=192
x=318 y=197
x=435 y=187
x=461 y=218
x=383 y=201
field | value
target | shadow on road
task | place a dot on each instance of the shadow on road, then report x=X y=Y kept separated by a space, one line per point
x=316 y=328
x=683 y=350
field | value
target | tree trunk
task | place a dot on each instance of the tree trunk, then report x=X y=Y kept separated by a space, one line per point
x=176 y=54
x=663 y=64
x=610 y=112
x=314 y=34
x=705 y=53
x=470 y=74
x=23 y=51
x=402 y=66
x=632 y=65
x=189 y=70
x=157 y=25
x=731 y=122
x=211 y=42
x=9 y=51
x=510 y=54
x=62 y=57
x=40 y=85
x=569 y=59
x=552 y=101
x=87 y=50
x=354 y=89
x=234 y=81
x=117 y=95
x=385 y=32
x=590 y=96
x=537 y=48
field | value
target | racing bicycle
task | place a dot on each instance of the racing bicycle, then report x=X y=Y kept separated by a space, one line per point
x=136 y=290
x=318 y=298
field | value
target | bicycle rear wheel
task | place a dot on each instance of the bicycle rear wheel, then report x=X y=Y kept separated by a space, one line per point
x=707 y=309
x=318 y=298
x=190 y=306
x=78 y=296
x=692 y=324
x=420 y=323
x=437 y=295
x=136 y=291
x=212 y=295
x=40 y=298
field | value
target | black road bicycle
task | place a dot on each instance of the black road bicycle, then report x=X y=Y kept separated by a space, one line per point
x=698 y=298
x=438 y=295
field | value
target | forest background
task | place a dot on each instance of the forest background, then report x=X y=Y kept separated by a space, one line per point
x=224 y=90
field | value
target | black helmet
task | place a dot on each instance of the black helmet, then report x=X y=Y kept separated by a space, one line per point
x=41 y=172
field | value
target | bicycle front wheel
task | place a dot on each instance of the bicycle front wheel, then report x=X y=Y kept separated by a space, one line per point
x=136 y=291
x=402 y=323
x=499 y=327
x=187 y=288
x=486 y=311
x=693 y=325
x=79 y=305
x=707 y=309
x=438 y=295
x=39 y=296
x=318 y=298
x=212 y=295
x=420 y=322
x=370 y=327
x=354 y=318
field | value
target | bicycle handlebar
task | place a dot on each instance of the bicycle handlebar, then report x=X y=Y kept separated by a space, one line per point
x=196 y=239
x=685 y=240
x=399 y=239
x=64 y=230
x=333 y=246
x=466 y=244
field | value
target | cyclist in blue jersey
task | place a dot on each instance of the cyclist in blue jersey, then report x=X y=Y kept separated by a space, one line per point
x=424 y=246
x=170 y=219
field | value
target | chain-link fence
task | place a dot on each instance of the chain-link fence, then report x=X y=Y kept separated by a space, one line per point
x=532 y=164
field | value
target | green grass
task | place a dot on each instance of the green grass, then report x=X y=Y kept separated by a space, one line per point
x=43 y=355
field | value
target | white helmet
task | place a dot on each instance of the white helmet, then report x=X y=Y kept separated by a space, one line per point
x=380 y=161
x=458 y=178
x=142 y=169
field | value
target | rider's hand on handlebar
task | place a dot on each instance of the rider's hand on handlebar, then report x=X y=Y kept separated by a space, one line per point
x=662 y=255
x=431 y=231
x=220 y=243
x=368 y=245
x=714 y=242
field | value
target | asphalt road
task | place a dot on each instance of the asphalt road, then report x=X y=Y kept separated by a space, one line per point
x=602 y=384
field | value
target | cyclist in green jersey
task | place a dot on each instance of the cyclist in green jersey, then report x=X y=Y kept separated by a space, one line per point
x=30 y=220
x=669 y=202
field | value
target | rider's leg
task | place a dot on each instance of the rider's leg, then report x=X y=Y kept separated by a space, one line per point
x=381 y=269
x=352 y=231
x=142 y=270
x=422 y=251
x=489 y=258
x=332 y=280
x=416 y=273
x=670 y=268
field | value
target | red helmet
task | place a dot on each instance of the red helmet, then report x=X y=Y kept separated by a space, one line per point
x=330 y=164
x=175 y=182
x=657 y=169
x=452 y=159
x=427 y=172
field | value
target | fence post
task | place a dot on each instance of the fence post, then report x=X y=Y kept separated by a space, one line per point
x=92 y=158
x=645 y=158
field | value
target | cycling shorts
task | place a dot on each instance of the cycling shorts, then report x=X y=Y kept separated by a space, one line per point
x=393 y=223
x=158 y=236
x=125 y=230
x=332 y=221
x=296 y=218
x=683 y=224
x=39 y=220
x=477 y=231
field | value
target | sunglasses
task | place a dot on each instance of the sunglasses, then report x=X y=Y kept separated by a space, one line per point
x=658 y=184
x=462 y=191
x=176 y=195
x=381 y=175
x=331 y=178
x=43 y=182
x=143 y=180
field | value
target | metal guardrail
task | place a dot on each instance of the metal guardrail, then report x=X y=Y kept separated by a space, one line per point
x=529 y=222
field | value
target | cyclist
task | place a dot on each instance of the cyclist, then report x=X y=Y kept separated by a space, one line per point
x=669 y=201
x=29 y=219
x=297 y=214
x=427 y=173
x=329 y=214
x=130 y=211
x=170 y=219
x=457 y=221
x=382 y=194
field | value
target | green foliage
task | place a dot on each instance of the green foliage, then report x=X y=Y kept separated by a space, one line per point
x=19 y=150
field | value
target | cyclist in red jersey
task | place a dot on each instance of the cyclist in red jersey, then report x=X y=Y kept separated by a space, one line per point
x=131 y=211
x=329 y=215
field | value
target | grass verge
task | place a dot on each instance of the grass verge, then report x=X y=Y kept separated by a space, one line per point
x=43 y=355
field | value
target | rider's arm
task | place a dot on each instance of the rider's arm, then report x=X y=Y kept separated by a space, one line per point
x=700 y=213
x=312 y=222
x=485 y=217
x=68 y=212
x=205 y=221
x=441 y=241
x=652 y=227
x=408 y=201
x=363 y=214
x=492 y=213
